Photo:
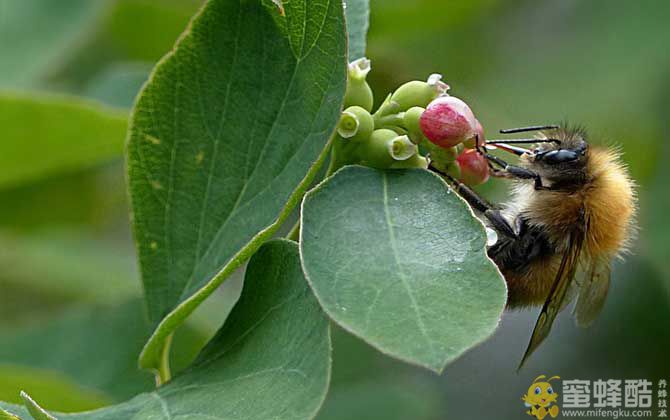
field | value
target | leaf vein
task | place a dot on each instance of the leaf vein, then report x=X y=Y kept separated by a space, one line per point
x=401 y=274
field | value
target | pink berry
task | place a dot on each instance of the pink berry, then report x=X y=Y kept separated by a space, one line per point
x=474 y=168
x=448 y=121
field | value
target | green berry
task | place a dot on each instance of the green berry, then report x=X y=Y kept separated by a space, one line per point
x=411 y=121
x=418 y=93
x=375 y=152
x=416 y=161
x=440 y=157
x=356 y=124
x=454 y=169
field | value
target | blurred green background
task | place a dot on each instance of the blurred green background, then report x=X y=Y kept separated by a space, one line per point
x=71 y=324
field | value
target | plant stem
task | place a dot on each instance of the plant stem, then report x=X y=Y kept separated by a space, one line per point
x=393 y=120
x=163 y=375
x=333 y=165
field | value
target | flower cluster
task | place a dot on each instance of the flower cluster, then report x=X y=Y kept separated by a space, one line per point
x=419 y=117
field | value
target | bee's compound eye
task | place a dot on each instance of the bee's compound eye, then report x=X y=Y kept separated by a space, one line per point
x=538 y=391
x=560 y=156
x=550 y=390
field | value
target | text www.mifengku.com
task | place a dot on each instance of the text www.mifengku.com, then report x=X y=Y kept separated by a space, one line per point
x=607 y=413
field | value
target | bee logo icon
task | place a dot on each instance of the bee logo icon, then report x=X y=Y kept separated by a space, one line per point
x=541 y=398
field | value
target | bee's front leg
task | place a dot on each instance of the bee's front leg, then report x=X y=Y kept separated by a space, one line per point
x=523 y=173
x=511 y=171
x=498 y=221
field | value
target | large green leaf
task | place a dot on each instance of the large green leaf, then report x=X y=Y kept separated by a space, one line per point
x=224 y=141
x=43 y=135
x=37 y=33
x=397 y=259
x=357 y=13
x=270 y=360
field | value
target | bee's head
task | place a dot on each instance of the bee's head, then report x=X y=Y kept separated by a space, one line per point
x=559 y=154
x=560 y=157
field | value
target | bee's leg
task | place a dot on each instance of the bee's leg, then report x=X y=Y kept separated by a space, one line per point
x=498 y=173
x=523 y=173
x=514 y=171
x=478 y=203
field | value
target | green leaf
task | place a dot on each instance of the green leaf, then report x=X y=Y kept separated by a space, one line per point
x=37 y=412
x=398 y=259
x=5 y=415
x=357 y=13
x=37 y=34
x=271 y=359
x=226 y=137
x=43 y=135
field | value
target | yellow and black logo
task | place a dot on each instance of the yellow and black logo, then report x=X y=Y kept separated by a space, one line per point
x=541 y=398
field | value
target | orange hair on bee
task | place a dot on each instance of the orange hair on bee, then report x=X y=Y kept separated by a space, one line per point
x=610 y=203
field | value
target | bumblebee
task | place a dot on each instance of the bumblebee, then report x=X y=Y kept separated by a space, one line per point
x=572 y=211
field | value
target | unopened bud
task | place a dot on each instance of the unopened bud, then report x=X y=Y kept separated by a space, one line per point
x=358 y=91
x=448 y=121
x=411 y=122
x=418 y=93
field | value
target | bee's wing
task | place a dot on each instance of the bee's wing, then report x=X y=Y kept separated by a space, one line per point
x=593 y=292
x=572 y=293
x=555 y=302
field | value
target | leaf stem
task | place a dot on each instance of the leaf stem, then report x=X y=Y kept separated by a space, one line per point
x=333 y=165
x=163 y=375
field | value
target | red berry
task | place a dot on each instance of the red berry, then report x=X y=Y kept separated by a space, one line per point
x=474 y=168
x=448 y=121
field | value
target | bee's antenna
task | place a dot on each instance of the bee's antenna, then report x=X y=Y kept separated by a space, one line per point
x=523 y=141
x=512 y=149
x=529 y=128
